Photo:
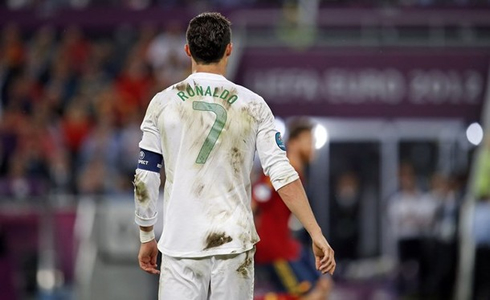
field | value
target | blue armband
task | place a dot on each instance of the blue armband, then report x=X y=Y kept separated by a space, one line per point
x=150 y=161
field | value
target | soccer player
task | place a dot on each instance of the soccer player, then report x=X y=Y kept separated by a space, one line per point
x=205 y=130
x=280 y=257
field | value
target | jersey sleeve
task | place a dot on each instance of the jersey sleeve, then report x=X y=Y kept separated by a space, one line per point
x=147 y=176
x=272 y=153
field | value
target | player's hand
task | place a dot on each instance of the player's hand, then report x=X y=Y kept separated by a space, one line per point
x=148 y=257
x=324 y=255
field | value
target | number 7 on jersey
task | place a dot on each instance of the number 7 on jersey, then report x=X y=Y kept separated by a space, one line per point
x=215 y=131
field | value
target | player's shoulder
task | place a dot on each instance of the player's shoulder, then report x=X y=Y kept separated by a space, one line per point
x=249 y=94
x=170 y=92
x=176 y=87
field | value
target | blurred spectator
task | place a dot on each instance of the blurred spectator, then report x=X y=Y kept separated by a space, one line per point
x=60 y=173
x=12 y=47
x=29 y=142
x=167 y=57
x=11 y=59
x=103 y=104
x=74 y=48
x=24 y=92
x=36 y=144
x=133 y=88
x=345 y=217
x=443 y=258
x=93 y=178
x=122 y=42
x=411 y=216
x=11 y=122
x=100 y=144
x=40 y=53
x=146 y=36
x=61 y=83
x=98 y=156
x=94 y=79
x=75 y=127
x=129 y=138
x=18 y=184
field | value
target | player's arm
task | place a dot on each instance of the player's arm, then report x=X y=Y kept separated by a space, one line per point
x=146 y=189
x=147 y=256
x=286 y=181
x=146 y=186
x=294 y=196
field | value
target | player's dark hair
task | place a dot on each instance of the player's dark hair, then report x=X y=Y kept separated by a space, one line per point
x=297 y=126
x=207 y=35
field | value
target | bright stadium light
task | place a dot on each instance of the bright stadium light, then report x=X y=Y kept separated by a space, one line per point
x=474 y=134
x=46 y=279
x=280 y=126
x=321 y=136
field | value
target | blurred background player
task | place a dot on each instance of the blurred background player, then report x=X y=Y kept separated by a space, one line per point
x=280 y=258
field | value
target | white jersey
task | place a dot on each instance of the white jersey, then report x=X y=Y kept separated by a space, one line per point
x=412 y=215
x=207 y=130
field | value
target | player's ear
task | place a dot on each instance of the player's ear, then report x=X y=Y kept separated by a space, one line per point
x=229 y=49
x=187 y=50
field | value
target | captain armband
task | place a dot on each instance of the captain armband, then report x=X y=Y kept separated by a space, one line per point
x=150 y=161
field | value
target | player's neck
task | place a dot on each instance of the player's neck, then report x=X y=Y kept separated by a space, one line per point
x=217 y=68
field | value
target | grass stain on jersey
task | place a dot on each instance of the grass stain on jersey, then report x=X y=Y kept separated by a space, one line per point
x=198 y=190
x=140 y=190
x=243 y=268
x=198 y=273
x=253 y=111
x=181 y=87
x=216 y=239
x=236 y=160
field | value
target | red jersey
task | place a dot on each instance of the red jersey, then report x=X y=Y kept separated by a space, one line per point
x=272 y=223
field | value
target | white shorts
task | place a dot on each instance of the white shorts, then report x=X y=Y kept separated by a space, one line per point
x=219 y=277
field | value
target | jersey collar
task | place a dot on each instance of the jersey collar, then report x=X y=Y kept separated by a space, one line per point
x=207 y=75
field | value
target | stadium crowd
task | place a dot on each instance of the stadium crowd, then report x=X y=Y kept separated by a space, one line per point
x=51 y=5
x=71 y=106
x=425 y=227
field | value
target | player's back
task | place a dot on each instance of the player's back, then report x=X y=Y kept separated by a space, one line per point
x=208 y=128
